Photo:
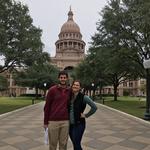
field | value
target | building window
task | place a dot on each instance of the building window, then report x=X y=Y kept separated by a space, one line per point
x=142 y=82
x=8 y=76
x=58 y=46
x=109 y=91
x=82 y=46
x=130 y=84
x=124 y=84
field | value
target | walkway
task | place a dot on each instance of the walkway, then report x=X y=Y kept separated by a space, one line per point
x=106 y=130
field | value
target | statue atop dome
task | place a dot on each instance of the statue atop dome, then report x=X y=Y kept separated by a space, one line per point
x=70 y=14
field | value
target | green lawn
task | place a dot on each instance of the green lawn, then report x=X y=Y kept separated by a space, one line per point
x=130 y=105
x=8 y=104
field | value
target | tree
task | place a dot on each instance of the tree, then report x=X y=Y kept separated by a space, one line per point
x=89 y=71
x=121 y=61
x=110 y=66
x=128 y=21
x=20 y=40
x=36 y=76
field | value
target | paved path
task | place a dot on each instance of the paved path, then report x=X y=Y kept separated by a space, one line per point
x=106 y=130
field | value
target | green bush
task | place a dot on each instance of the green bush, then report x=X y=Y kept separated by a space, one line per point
x=105 y=95
x=126 y=92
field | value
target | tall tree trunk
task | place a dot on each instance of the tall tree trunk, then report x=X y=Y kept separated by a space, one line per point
x=93 y=96
x=90 y=93
x=100 y=92
x=44 y=95
x=115 y=92
x=36 y=92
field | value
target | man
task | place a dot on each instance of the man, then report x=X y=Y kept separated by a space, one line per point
x=56 y=116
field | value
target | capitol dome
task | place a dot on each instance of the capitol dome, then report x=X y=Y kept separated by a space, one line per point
x=70 y=26
x=70 y=47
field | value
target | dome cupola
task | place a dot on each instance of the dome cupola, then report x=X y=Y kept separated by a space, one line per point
x=70 y=26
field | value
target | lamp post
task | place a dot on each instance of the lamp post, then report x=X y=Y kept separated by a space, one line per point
x=146 y=65
x=100 y=87
x=44 y=89
x=93 y=94
x=92 y=84
x=44 y=84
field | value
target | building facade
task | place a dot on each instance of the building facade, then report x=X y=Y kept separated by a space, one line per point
x=128 y=88
x=13 y=89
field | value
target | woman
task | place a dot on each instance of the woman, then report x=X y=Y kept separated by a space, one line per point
x=77 y=117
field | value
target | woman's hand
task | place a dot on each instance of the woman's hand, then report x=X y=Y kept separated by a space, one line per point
x=82 y=115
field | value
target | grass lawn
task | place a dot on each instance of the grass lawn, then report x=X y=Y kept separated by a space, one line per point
x=130 y=105
x=8 y=104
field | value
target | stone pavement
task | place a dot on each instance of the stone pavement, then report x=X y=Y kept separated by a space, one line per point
x=106 y=130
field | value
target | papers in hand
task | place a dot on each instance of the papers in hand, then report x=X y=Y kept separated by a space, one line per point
x=46 y=136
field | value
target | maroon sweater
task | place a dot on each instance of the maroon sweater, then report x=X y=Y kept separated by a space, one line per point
x=56 y=106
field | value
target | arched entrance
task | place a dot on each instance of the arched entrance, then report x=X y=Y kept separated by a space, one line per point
x=70 y=69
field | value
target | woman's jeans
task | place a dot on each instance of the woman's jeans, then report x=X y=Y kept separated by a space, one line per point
x=76 y=132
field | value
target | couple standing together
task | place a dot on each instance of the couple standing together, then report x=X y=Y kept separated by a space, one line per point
x=64 y=113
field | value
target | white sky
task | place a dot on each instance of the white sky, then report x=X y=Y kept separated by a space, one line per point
x=50 y=15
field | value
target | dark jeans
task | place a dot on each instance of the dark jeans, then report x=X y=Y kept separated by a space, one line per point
x=76 y=132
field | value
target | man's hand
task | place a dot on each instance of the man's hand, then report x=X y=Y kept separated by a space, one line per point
x=45 y=126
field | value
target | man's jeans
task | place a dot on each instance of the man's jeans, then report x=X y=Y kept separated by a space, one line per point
x=76 y=132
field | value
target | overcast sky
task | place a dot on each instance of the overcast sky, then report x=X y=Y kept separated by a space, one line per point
x=50 y=15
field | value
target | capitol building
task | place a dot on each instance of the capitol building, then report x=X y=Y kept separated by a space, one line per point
x=70 y=48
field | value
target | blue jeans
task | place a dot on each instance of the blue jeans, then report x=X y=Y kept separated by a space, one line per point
x=76 y=132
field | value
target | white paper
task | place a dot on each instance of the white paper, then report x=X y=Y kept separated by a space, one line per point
x=46 y=136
